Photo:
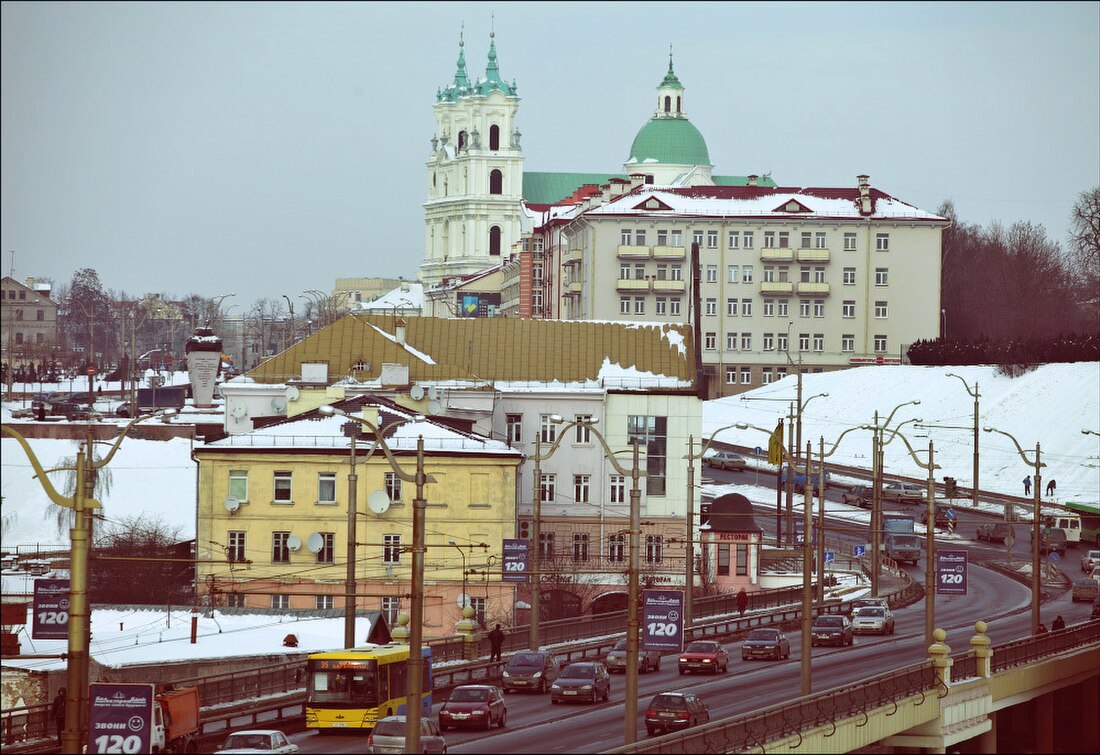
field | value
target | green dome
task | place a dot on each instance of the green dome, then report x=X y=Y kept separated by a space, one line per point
x=672 y=141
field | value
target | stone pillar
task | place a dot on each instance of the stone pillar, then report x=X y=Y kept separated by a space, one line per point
x=1044 y=723
x=1089 y=699
x=466 y=627
x=982 y=648
x=986 y=743
x=941 y=656
x=400 y=633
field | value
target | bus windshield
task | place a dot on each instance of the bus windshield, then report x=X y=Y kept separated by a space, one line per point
x=352 y=683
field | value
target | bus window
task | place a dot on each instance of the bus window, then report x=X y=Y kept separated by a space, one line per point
x=384 y=682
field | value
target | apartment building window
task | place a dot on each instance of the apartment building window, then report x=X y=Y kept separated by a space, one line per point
x=712 y=307
x=624 y=305
x=536 y=272
x=581 y=485
x=746 y=375
x=769 y=239
x=697 y=238
x=282 y=487
x=784 y=240
x=327 y=554
x=536 y=299
x=618 y=488
x=731 y=341
x=783 y=308
x=769 y=308
x=768 y=342
x=747 y=238
x=742 y=565
x=238 y=484
x=580 y=546
x=804 y=308
x=639 y=305
x=804 y=274
x=849 y=242
x=393 y=487
x=546 y=546
x=234 y=600
x=280 y=601
x=882 y=242
x=880 y=344
x=676 y=238
x=732 y=274
x=746 y=342
x=661 y=305
x=746 y=307
x=803 y=341
x=677 y=272
x=390 y=608
x=674 y=306
x=324 y=602
x=548 y=431
x=848 y=342
x=731 y=307
x=781 y=342
x=639 y=271
x=624 y=271
x=734 y=238
x=513 y=424
x=849 y=276
x=624 y=236
x=616 y=548
x=819 y=307
x=819 y=275
x=882 y=276
x=819 y=241
x=326 y=487
x=780 y=373
x=391 y=549
x=652 y=433
x=662 y=238
x=807 y=240
x=819 y=342
x=746 y=273
x=547 y=487
x=766 y=375
x=583 y=431
x=784 y=274
x=662 y=272
x=848 y=308
x=280 y=551
x=479 y=606
x=712 y=239
x=882 y=310
x=654 y=549
x=712 y=273
x=639 y=238
x=731 y=376
x=710 y=341
x=234 y=547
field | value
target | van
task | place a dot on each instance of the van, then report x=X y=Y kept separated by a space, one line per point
x=1070 y=523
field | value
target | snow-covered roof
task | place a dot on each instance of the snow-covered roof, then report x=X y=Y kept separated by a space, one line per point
x=404 y=297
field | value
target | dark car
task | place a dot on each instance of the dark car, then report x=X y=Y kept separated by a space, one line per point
x=725 y=460
x=945 y=516
x=670 y=711
x=1052 y=540
x=648 y=660
x=995 y=532
x=583 y=680
x=530 y=670
x=765 y=643
x=704 y=655
x=860 y=495
x=831 y=629
x=476 y=705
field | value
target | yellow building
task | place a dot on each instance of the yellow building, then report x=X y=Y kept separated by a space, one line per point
x=273 y=515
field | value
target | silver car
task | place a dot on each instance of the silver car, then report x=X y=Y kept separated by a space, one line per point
x=873 y=620
x=389 y=736
x=648 y=660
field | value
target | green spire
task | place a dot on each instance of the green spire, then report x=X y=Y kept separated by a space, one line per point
x=461 y=80
x=492 y=78
x=670 y=79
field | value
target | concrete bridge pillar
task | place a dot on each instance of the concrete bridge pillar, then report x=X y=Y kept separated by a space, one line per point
x=1044 y=723
x=941 y=657
x=1089 y=699
x=986 y=744
x=981 y=645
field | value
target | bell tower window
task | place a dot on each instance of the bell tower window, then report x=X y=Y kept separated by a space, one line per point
x=494 y=138
x=677 y=106
x=668 y=103
x=494 y=241
x=461 y=140
x=496 y=182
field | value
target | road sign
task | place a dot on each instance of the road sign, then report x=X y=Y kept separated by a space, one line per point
x=951 y=572
x=120 y=717
x=663 y=620
x=758 y=450
x=859 y=551
x=830 y=557
x=951 y=513
x=51 y=609
x=515 y=561
x=1053 y=557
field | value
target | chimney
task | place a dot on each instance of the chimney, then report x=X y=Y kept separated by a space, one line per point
x=753 y=179
x=636 y=180
x=865 y=207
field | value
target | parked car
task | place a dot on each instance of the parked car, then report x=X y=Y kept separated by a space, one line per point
x=765 y=643
x=873 y=619
x=860 y=495
x=476 y=705
x=648 y=660
x=671 y=711
x=831 y=629
x=257 y=740
x=945 y=516
x=995 y=532
x=388 y=736
x=582 y=680
x=725 y=460
x=903 y=492
x=1089 y=560
x=1085 y=589
x=530 y=670
x=704 y=655
x=1052 y=540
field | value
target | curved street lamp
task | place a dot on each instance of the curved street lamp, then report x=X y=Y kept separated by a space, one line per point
x=974 y=492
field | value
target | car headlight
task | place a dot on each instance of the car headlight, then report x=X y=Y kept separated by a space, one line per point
x=536 y=675
x=506 y=675
x=586 y=687
x=555 y=686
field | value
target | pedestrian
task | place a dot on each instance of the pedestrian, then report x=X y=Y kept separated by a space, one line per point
x=496 y=639
x=1051 y=487
x=1027 y=485
x=1059 y=623
x=57 y=713
x=1042 y=629
x=742 y=601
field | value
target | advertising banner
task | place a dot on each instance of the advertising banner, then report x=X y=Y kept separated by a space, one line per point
x=51 y=609
x=663 y=620
x=120 y=717
x=515 y=564
x=951 y=572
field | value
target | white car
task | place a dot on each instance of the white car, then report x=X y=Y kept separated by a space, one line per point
x=1089 y=560
x=873 y=620
x=257 y=740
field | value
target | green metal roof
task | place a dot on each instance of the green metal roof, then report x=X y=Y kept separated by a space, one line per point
x=670 y=141
x=742 y=181
x=551 y=188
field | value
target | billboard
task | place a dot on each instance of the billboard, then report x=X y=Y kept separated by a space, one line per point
x=51 y=609
x=951 y=572
x=120 y=717
x=663 y=620
x=515 y=564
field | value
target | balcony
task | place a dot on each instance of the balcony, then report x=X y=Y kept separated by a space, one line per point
x=776 y=254
x=574 y=289
x=669 y=286
x=571 y=257
x=776 y=287
x=813 y=289
x=633 y=252
x=669 y=252
x=631 y=284
x=813 y=255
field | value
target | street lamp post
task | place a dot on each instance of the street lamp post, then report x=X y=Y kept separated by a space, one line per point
x=82 y=503
x=416 y=612
x=974 y=491
x=1036 y=584
x=465 y=599
x=291 y=340
x=821 y=509
x=351 y=429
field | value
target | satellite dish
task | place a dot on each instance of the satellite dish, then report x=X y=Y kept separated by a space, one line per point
x=232 y=504
x=417 y=392
x=378 y=502
x=294 y=543
x=315 y=542
x=278 y=404
x=238 y=409
x=463 y=600
x=434 y=407
x=292 y=393
x=433 y=393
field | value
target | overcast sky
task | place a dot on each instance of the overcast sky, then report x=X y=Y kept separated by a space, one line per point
x=266 y=149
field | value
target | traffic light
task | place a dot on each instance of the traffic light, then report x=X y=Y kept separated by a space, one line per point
x=949 y=487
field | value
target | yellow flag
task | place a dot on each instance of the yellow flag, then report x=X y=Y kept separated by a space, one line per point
x=775 y=445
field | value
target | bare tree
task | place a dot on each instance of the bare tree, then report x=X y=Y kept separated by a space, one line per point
x=1084 y=239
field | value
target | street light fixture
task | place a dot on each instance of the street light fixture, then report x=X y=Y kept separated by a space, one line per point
x=465 y=599
x=1086 y=431
x=82 y=503
x=821 y=508
x=974 y=492
x=1036 y=586
x=416 y=611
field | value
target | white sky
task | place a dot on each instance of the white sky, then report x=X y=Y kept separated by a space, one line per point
x=268 y=148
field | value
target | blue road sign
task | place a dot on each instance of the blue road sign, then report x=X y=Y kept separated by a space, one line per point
x=830 y=557
x=758 y=450
x=951 y=513
x=859 y=551
x=1053 y=557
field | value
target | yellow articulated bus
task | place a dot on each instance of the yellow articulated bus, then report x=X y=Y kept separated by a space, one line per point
x=354 y=688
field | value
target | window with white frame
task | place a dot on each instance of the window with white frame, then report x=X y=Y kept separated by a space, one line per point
x=548 y=431
x=616 y=548
x=618 y=489
x=880 y=344
x=583 y=428
x=280 y=550
x=639 y=271
x=625 y=236
x=819 y=342
x=327 y=554
x=547 y=546
x=882 y=310
x=639 y=305
x=804 y=308
x=624 y=305
x=803 y=341
x=746 y=375
x=849 y=242
x=804 y=274
x=783 y=308
x=513 y=424
x=819 y=240
x=390 y=607
x=882 y=242
x=639 y=237
x=280 y=601
x=582 y=488
x=733 y=274
x=849 y=276
x=710 y=341
x=234 y=600
x=654 y=549
x=391 y=549
x=624 y=271
x=807 y=239
x=234 y=550
x=848 y=309
x=238 y=484
x=769 y=239
x=282 y=487
x=766 y=375
x=712 y=239
x=784 y=240
x=712 y=273
x=731 y=341
x=580 y=546
x=712 y=307
x=393 y=486
x=780 y=373
x=662 y=272
x=781 y=342
x=661 y=305
x=784 y=273
x=848 y=342
x=479 y=605
x=324 y=602
x=747 y=238
x=819 y=307
x=731 y=307
x=882 y=276
x=662 y=238
x=768 y=343
x=819 y=274
x=731 y=375
x=769 y=308
x=674 y=306
x=746 y=342
x=676 y=238
x=697 y=238
x=746 y=307
x=548 y=487
x=326 y=487
x=676 y=272
x=734 y=240
x=746 y=273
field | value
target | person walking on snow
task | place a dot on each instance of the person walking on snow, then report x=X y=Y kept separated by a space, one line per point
x=1027 y=485
x=742 y=601
x=1051 y=487
x=496 y=639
